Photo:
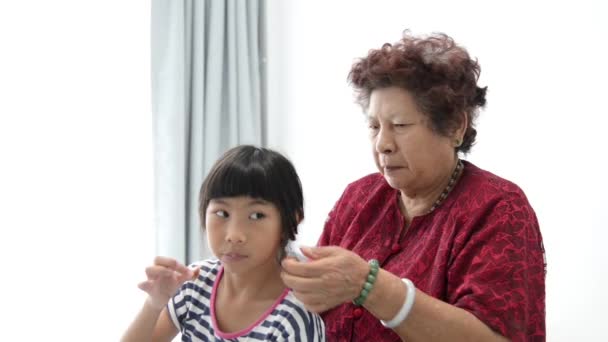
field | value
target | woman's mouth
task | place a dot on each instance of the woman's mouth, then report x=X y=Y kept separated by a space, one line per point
x=391 y=168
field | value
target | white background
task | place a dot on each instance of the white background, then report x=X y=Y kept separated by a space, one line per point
x=76 y=159
x=75 y=168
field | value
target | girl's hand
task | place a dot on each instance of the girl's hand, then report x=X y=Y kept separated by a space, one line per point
x=164 y=278
x=332 y=276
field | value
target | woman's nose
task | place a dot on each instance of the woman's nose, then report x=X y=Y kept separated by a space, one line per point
x=384 y=142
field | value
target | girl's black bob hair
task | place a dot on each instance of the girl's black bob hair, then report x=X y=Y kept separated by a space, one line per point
x=260 y=173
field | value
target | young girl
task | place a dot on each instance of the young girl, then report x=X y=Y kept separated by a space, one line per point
x=250 y=205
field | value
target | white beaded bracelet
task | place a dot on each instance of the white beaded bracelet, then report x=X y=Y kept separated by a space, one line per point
x=407 y=305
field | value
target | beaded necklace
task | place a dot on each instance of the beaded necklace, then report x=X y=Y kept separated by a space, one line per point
x=449 y=187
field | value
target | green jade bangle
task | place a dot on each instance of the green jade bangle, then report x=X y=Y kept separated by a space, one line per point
x=374 y=266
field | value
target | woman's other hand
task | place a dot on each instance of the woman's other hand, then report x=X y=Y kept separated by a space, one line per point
x=164 y=279
x=332 y=276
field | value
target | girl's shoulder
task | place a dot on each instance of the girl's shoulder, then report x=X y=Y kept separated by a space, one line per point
x=293 y=316
x=209 y=268
x=209 y=263
x=294 y=306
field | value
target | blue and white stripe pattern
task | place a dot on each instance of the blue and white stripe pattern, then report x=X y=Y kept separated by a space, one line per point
x=190 y=310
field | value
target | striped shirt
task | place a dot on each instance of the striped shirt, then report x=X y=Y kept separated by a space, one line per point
x=192 y=311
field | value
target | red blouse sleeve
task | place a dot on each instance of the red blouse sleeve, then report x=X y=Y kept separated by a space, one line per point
x=332 y=223
x=498 y=271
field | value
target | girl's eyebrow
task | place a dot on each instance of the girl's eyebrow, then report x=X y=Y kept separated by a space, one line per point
x=256 y=201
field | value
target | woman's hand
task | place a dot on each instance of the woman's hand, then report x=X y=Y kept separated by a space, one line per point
x=164 y=279
x=332 y=276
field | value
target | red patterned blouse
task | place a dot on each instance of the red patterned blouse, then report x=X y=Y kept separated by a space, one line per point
x=480 y=250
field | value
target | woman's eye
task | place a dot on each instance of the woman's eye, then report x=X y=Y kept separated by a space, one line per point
x=221 y=213
x=256 y=216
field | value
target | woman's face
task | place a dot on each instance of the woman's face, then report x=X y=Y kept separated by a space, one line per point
x=411 y=156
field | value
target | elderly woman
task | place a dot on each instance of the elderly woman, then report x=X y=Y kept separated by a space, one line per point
x=431 y=248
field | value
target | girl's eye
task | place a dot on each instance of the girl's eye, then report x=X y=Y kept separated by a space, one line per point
x=221 y=213
x=256 y=216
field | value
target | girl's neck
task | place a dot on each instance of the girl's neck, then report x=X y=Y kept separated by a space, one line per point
x=241 y=301
x=259 y=284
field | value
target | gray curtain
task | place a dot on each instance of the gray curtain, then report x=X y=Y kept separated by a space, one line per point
x=207 y=90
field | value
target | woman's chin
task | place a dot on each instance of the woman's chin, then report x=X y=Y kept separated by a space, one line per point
x=394 y=182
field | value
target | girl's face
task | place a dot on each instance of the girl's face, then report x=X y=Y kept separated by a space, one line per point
x=244 y=233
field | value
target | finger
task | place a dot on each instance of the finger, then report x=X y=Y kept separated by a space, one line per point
x=196 y=273
x=310 y=269
x=320 y=252
x=183 y=269
x=192 y=275
x=302 y=284
x=155 y=272
x=171 y=263
x=290 y=258
x=311 y=298
x=316 y=306
x=165 y=261
x=145 y=286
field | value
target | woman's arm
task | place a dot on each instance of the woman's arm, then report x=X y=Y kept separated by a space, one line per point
x=335 y=276
x=430 y=319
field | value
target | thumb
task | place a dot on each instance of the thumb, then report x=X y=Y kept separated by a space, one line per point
x=190 y=274
x=320 y=252
x=145 y=286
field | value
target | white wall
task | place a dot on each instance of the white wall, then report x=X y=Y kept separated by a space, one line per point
x=75 y=168
x=544 y=127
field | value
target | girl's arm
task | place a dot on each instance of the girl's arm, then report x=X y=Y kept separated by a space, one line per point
x=151 y=324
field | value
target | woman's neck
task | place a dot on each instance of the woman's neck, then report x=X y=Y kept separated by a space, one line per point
x=422 y=202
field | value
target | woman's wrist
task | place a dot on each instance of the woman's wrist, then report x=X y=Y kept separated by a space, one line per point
x=405 y=309
x=370 y=280
x=389 y=293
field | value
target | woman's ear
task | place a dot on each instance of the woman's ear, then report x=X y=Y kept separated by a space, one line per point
x=461 y=129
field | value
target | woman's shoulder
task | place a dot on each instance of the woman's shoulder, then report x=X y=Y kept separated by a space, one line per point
x=484 y=193
x=480 y=181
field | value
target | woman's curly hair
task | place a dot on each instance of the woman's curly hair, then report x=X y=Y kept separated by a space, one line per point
x=438 y=73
